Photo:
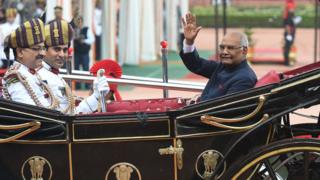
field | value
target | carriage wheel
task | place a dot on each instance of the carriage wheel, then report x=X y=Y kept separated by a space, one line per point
x=285 y=159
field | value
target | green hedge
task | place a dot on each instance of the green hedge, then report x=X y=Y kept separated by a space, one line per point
x=251 y=21
x=253 y=17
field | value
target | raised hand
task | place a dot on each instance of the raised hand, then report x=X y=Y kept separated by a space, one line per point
x=190 y=28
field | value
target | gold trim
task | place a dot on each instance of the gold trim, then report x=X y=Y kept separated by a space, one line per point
x=32 y=126
x=262 y=100
x=199 y=135
x=36 y=171
x=273 y=91
x=119 y=138
x=123 y=140
x=175 y=162
x=119 y=122
x=33 y=115
x=222 y=105
x=70 y=161
x=40 y=141
x=179 y=154
x=249 y=165
x=177 y=151
x=19 y=126
x=219 y=125
x=125 y=173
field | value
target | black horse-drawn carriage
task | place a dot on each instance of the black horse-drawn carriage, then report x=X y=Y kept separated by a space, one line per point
x=246 y=135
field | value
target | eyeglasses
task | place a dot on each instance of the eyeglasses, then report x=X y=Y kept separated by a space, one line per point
x=37 y=49
x=229 y=48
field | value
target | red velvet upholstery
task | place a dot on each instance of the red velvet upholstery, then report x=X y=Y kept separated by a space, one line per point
x=305 y=137
x=302 y=69
x=269 y=78
x=2 y=72
x=146 y=105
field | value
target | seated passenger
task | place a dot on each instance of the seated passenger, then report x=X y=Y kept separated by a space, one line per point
x=21 y=82
x=231 y=74
x=57 y=41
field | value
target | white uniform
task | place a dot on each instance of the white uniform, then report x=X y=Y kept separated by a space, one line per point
x=59 y=87
x=18 y=91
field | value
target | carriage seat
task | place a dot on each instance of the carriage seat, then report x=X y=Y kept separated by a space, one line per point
x=146 y=105
x=2 y=72
x=270 y=78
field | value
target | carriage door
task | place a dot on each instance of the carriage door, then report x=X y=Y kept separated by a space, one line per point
x=122 y=149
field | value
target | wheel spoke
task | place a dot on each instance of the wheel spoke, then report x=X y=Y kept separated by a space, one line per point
x=306 y=164
x=271 y=172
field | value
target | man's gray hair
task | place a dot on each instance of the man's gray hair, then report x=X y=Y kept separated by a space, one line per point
x=244 y=40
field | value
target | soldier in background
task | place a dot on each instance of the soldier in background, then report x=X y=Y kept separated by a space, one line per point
x=58 y=13
x=98 y=29
x=289 y=35
x=83 y=40
x=2 y=15
x=5 y=30
x=40 y=10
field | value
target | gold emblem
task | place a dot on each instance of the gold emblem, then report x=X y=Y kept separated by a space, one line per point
x=36 y=30
x=38 y=166
x=56 y=33
x=210 y=159
x=123 y=171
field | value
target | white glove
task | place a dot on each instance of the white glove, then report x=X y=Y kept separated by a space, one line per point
x=100 y=84
x=297 y=20
x=289 y=37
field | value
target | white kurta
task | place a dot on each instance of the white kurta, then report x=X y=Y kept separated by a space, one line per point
x=65 y=4
x=5 y=30
x=19 y=93
x=58 y=87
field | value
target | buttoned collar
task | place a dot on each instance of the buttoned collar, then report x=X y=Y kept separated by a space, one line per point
x=49 y=68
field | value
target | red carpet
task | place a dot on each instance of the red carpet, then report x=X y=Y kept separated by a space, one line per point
x=193 y=76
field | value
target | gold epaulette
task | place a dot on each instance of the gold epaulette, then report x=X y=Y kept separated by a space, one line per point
x=11 y=76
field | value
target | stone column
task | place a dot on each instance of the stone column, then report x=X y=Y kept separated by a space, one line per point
x=159 y=17
x=171 y=24
x=148 y=48
x=108 y=36
x=129 y=32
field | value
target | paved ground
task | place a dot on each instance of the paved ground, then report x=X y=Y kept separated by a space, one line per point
x=264 y=38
